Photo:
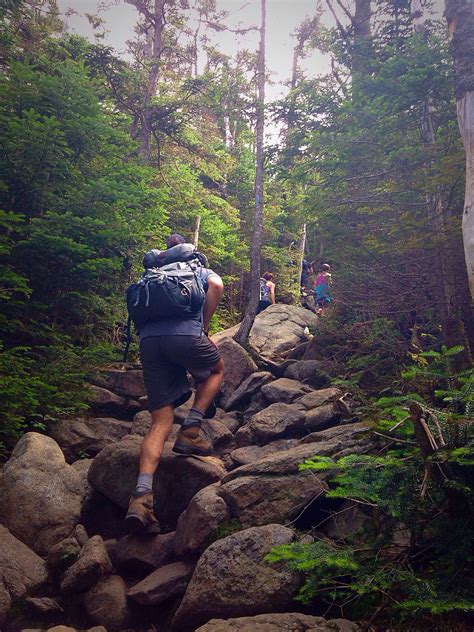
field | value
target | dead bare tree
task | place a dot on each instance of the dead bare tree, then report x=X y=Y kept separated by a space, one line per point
x=257 y=235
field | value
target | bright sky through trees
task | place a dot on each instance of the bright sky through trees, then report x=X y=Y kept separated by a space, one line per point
x=283 y=16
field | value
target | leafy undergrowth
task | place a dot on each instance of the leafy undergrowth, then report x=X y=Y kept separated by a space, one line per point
x=422 y=580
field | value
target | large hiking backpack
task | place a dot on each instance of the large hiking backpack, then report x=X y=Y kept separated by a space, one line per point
x=171 y=286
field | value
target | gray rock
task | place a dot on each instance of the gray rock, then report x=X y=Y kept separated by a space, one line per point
x=198 y=522
x=225 y=334
x=284 y=622
x=309 y=372
x=80 y=534
x=21 y=571
x=258 y=500
x=238 y=366
x=104 y=402
x=352 y=438
x=38 y=479
x=232 y=579
x=221 y=437
x=128 y=383
x=256 y=404
x=82 y=468
x=317 y=398
x=63 y=554
x=165 y=583
x=92 y=564
x=322 y=417
x=142 y=424
x=277 y=421
x=244 y=393
x=140 y=555
x=274 y=488
x=106 y=603
x=229 y=419
x=114 y=474
x=334 y=442
x=284 y=390
x=280 y=328
x=251 y=453
x=347 y=522
x=87 y=435
x=44 y=605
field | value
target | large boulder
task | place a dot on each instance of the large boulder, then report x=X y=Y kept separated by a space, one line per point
x=114 y=474
x=249 y=387
x=199 y=521
x=280 y=494
x=284 y=390
x=92 y=564
x=280 y=328
x=281 y=622
x=232 y=579
x=163 y=584
x=274 y=488
x=238 y=366
x=277 y=421
x=48 y=490
x=21 y=571
x=106 y=604
x=87 y=435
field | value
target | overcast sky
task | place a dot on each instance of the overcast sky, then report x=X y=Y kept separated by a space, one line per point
x=283 y=16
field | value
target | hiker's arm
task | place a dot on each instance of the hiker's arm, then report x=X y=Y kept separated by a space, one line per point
x=215 y=290
x=272 y=293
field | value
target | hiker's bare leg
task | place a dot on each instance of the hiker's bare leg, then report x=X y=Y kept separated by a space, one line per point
x=153 y=442
x=214 y=293
x=207 y=390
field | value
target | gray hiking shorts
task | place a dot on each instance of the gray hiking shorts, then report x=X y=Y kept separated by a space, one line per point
x=165 y=361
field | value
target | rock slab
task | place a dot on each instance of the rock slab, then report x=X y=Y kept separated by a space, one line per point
x=21 y=571
x=231 y=579
x=165 y=583
x=285 y=622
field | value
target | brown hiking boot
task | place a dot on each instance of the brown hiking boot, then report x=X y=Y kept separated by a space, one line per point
x=140 y=517
x=190 y=441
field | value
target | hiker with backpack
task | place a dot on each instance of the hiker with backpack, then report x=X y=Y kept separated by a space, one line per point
x=267 y=291
x=321 y=288
x=172 y=306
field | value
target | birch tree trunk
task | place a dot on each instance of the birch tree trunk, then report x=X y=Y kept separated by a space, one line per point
x=460 y=17
x=257 y=236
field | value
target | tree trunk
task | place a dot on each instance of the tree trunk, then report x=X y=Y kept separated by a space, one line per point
x=460 y=18
x=197 y=226
x=361 y=48
x=302 y=246
x=155 y=21
x=257 y=235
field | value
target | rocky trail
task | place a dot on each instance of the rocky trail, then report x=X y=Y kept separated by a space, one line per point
x=65 y=562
